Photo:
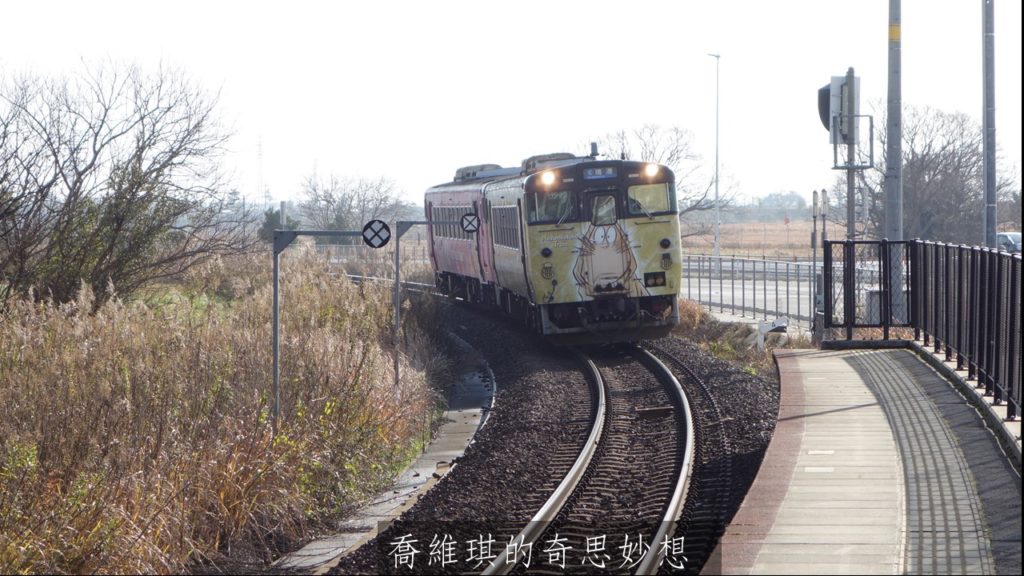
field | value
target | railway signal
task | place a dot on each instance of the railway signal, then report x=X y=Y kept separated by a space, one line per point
x=376 y=234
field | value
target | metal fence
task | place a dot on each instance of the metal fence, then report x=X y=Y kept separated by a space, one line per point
x=963 y=301
x=866 y=285
x=751 y=287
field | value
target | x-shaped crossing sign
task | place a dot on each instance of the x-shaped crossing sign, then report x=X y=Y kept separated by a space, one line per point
x=376 y=234
x=470 y=223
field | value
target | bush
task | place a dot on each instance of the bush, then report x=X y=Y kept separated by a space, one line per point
x=735 y=342
x=138 y=439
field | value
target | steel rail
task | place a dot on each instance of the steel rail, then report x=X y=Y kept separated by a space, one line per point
x=547 y=513
x=655 y=554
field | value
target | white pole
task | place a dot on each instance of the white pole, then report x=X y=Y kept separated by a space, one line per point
x=718 y=216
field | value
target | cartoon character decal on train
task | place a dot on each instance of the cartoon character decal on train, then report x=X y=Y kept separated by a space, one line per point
x=605 y=263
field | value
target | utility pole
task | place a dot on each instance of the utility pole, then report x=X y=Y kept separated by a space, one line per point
x=851 y=154
x=718 y=216
x=989 y=122
x=894 y=132
x=899 y=308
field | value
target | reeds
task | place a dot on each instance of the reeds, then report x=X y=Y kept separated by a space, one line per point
x=138 y=438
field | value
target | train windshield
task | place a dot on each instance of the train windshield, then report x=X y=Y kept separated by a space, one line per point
x=558 y=206
x=646 y=199
x=604 y=210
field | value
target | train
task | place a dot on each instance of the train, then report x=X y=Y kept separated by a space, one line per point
x=581 y=249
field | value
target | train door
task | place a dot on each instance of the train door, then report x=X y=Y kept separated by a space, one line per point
x=430 y=233
x=484 y=250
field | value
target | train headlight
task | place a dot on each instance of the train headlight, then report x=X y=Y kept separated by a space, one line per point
x=665 y=242
x=547 y=178
x=546 y=252
x=654 y=279
x=651 y=170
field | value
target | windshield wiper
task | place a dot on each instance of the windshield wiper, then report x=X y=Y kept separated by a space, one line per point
x=564 y=216
x=641 y=207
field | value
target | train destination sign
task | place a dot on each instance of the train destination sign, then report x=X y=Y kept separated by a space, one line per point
x=470 y=223
x=376 y=234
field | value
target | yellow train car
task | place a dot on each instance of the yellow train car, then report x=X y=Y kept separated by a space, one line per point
x=581 y=249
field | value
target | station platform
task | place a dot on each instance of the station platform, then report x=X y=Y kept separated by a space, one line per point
x=878 y=465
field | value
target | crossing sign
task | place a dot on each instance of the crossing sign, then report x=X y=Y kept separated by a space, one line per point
x=376 y=234
x=470 y=223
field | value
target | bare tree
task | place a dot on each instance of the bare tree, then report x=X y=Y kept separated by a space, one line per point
x=111 y=176
x=672 y=147
x=347 y=204
x=943 y=190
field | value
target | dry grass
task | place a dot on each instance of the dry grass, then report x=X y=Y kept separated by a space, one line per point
x=733 y=341
x=757 y=239
x=137 y=439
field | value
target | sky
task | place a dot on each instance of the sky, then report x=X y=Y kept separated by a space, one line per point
x=413 y=90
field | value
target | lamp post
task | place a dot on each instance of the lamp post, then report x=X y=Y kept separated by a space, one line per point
x=718 y=217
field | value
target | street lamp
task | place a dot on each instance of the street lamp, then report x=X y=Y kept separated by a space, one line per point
x=718 y=217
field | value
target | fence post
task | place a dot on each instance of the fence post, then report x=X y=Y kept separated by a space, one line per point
x=926 y=289
x=915 y=295
x=974 y=283
x=936 y=295
x=826 y=285
x=850 y=289
x=947 y=305
x=721 y=294
x=997 y=336
x=961 y=300
x=743 y=294
x=983 y=329
x=1013 y=346
x=764 y=287
x=732 y=285
x=885 y=291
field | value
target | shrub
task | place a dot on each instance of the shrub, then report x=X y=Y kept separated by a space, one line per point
x=137 y=438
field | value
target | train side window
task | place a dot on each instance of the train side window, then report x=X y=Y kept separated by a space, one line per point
x=438 y=215
x=505 y=224
x=603 y=209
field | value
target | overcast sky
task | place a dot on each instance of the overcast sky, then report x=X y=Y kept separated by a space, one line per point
x=413 y=90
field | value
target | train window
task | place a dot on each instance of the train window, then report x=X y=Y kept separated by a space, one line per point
x=505 y=224
x=557 y=206
x=648 y=198
x=447 y=220
x=603 y=209
x=436 y=215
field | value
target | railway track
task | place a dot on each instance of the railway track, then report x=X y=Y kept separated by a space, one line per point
x=631 y=476
x=710 y=499
x=626 y=461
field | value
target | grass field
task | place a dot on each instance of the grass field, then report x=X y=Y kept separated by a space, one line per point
x=756 y=239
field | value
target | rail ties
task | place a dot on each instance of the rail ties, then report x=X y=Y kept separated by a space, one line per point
x=552 y=507
x=630 y=482
x=703 y=517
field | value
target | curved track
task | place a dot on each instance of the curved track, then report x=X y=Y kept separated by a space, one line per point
x=632 y=476
x=708 y=505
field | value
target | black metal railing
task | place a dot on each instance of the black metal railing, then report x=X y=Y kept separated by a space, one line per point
x=751 y=287
x=962 y=301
